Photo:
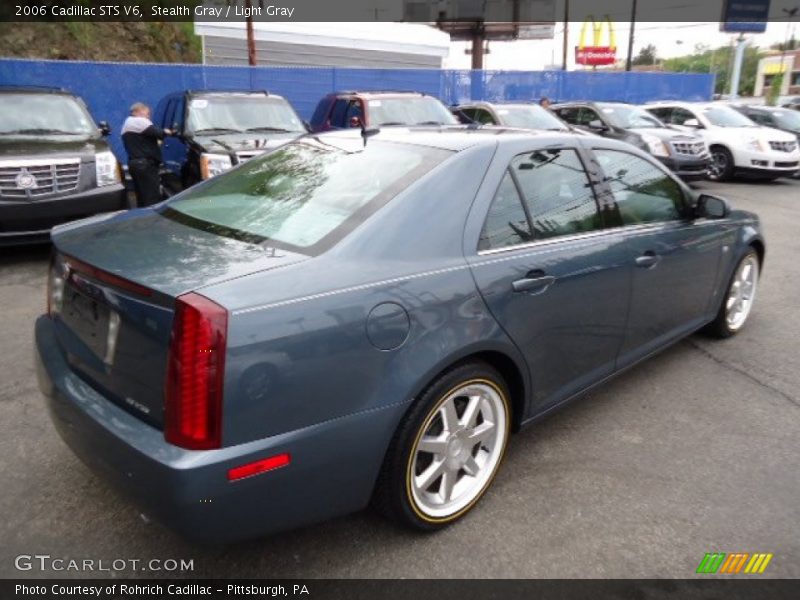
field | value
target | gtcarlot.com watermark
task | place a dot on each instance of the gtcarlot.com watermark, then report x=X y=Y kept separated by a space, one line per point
x=47 y=563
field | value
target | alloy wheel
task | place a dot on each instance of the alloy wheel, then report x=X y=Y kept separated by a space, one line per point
x=742 y=293
x=459 y=449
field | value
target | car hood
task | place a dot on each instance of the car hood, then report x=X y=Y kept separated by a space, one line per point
x=249 y=142
x=664 y=133
x=35 y=146
x=159 y=253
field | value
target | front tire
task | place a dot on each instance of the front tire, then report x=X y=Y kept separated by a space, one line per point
x=722 y=165
x=739 y=297
x=447 y=450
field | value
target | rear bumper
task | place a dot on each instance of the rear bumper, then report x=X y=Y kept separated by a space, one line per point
x=332 y=472
x=24 y=221
x=687 y=168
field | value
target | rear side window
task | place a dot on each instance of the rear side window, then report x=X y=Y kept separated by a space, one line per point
x=643 y=193
x=557 y=192
x=306 y=195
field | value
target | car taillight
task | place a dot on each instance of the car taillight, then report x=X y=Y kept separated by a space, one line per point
x=55 y=287
x=195 y=374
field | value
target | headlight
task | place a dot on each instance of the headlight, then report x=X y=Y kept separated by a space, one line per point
x=213 y=164
x=106 y=170
x=655 y=146
x=756 y=144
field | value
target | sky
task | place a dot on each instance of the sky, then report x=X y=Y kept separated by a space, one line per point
x=670 y=39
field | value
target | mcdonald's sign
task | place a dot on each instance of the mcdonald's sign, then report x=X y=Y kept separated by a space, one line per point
x=597 y=54
x=735 y=562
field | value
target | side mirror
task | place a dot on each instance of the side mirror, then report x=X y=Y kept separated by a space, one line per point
x=711 y=207
x=355 y=121
x=693 y=123
x=597 y=124
x=104 y=128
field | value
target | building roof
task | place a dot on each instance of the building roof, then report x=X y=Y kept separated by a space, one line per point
x=406 y=38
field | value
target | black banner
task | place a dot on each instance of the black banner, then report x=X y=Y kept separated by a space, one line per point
x=416 y=589
x=428 y=11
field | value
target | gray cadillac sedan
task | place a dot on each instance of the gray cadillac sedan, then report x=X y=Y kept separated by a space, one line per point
x=360 y=317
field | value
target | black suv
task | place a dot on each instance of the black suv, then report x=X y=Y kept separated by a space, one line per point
x=55 y=164
x=685 y=154
x=216 y=130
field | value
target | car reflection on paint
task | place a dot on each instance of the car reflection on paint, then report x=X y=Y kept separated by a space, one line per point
x=361 y=317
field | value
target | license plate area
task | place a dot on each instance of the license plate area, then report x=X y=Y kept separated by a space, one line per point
x=87 y=317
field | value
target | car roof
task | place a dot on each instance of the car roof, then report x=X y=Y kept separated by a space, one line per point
x=34 y=89
x=453 y=137
x=378 y=93
x=205 y=93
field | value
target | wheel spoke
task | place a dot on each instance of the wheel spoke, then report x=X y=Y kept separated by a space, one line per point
x=468 y=418
x=449 y=415
x=447 y=484
x=424 y=480
x=481 y=432
x=434 y=445
x=471 y=467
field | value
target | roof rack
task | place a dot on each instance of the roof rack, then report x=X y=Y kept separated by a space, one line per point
x=379 y=92
x=235 y=91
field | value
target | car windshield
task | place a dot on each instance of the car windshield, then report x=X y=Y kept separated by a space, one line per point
x=242 y=113
x=408 y=110
x=724 y=116
x=305 y=195
x=629 y=117
x=529 y=117
x=787 y=119
x=42 y=114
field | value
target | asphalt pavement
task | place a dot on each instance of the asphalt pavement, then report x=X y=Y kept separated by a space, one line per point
x=697 y=450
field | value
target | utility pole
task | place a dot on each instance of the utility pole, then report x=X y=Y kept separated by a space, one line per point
x=251 y=42
x=477 y=46
x=737 y=66
x=629 y=60
x=566 y=36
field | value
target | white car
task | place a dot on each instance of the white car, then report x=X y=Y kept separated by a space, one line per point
x=737 y=144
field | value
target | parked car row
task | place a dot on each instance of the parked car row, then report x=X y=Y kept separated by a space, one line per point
x=49 y=151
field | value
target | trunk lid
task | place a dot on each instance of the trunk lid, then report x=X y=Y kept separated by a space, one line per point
x=121 y=277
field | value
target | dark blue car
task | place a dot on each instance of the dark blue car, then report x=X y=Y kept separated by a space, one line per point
x=362 y=316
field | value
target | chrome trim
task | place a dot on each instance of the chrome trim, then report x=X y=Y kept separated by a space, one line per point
x=38 y=162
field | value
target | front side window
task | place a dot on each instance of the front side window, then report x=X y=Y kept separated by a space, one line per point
x=305 y=195
x=588 y=116
x=681 y=115
x=643 y=193
x=483 y=117
x=44 y=114
x=557 y=192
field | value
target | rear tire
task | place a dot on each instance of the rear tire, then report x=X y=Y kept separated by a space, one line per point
x=447 y=450
x=722 y=165
x=739 y=297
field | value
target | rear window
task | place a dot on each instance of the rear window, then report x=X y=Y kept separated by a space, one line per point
x=306 y=195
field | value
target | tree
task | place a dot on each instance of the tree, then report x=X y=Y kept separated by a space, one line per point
x=646 y=56
x=719 y=61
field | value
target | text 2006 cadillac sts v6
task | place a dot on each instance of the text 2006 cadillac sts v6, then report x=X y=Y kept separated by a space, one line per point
x=360 y=316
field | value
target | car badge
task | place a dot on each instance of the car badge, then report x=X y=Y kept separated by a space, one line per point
x=25 y=180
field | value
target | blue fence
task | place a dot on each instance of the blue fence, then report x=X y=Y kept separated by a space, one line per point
x=110 y=88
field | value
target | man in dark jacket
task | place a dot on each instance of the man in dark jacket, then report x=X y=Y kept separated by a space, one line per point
x=140 y=138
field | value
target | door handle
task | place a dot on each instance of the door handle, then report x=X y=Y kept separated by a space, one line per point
x=534 y=282
x=648 y=260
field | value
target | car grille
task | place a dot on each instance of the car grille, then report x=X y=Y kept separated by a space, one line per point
x=30 y=179
x=786 y=165
x=690 y=148
x=783 y=146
